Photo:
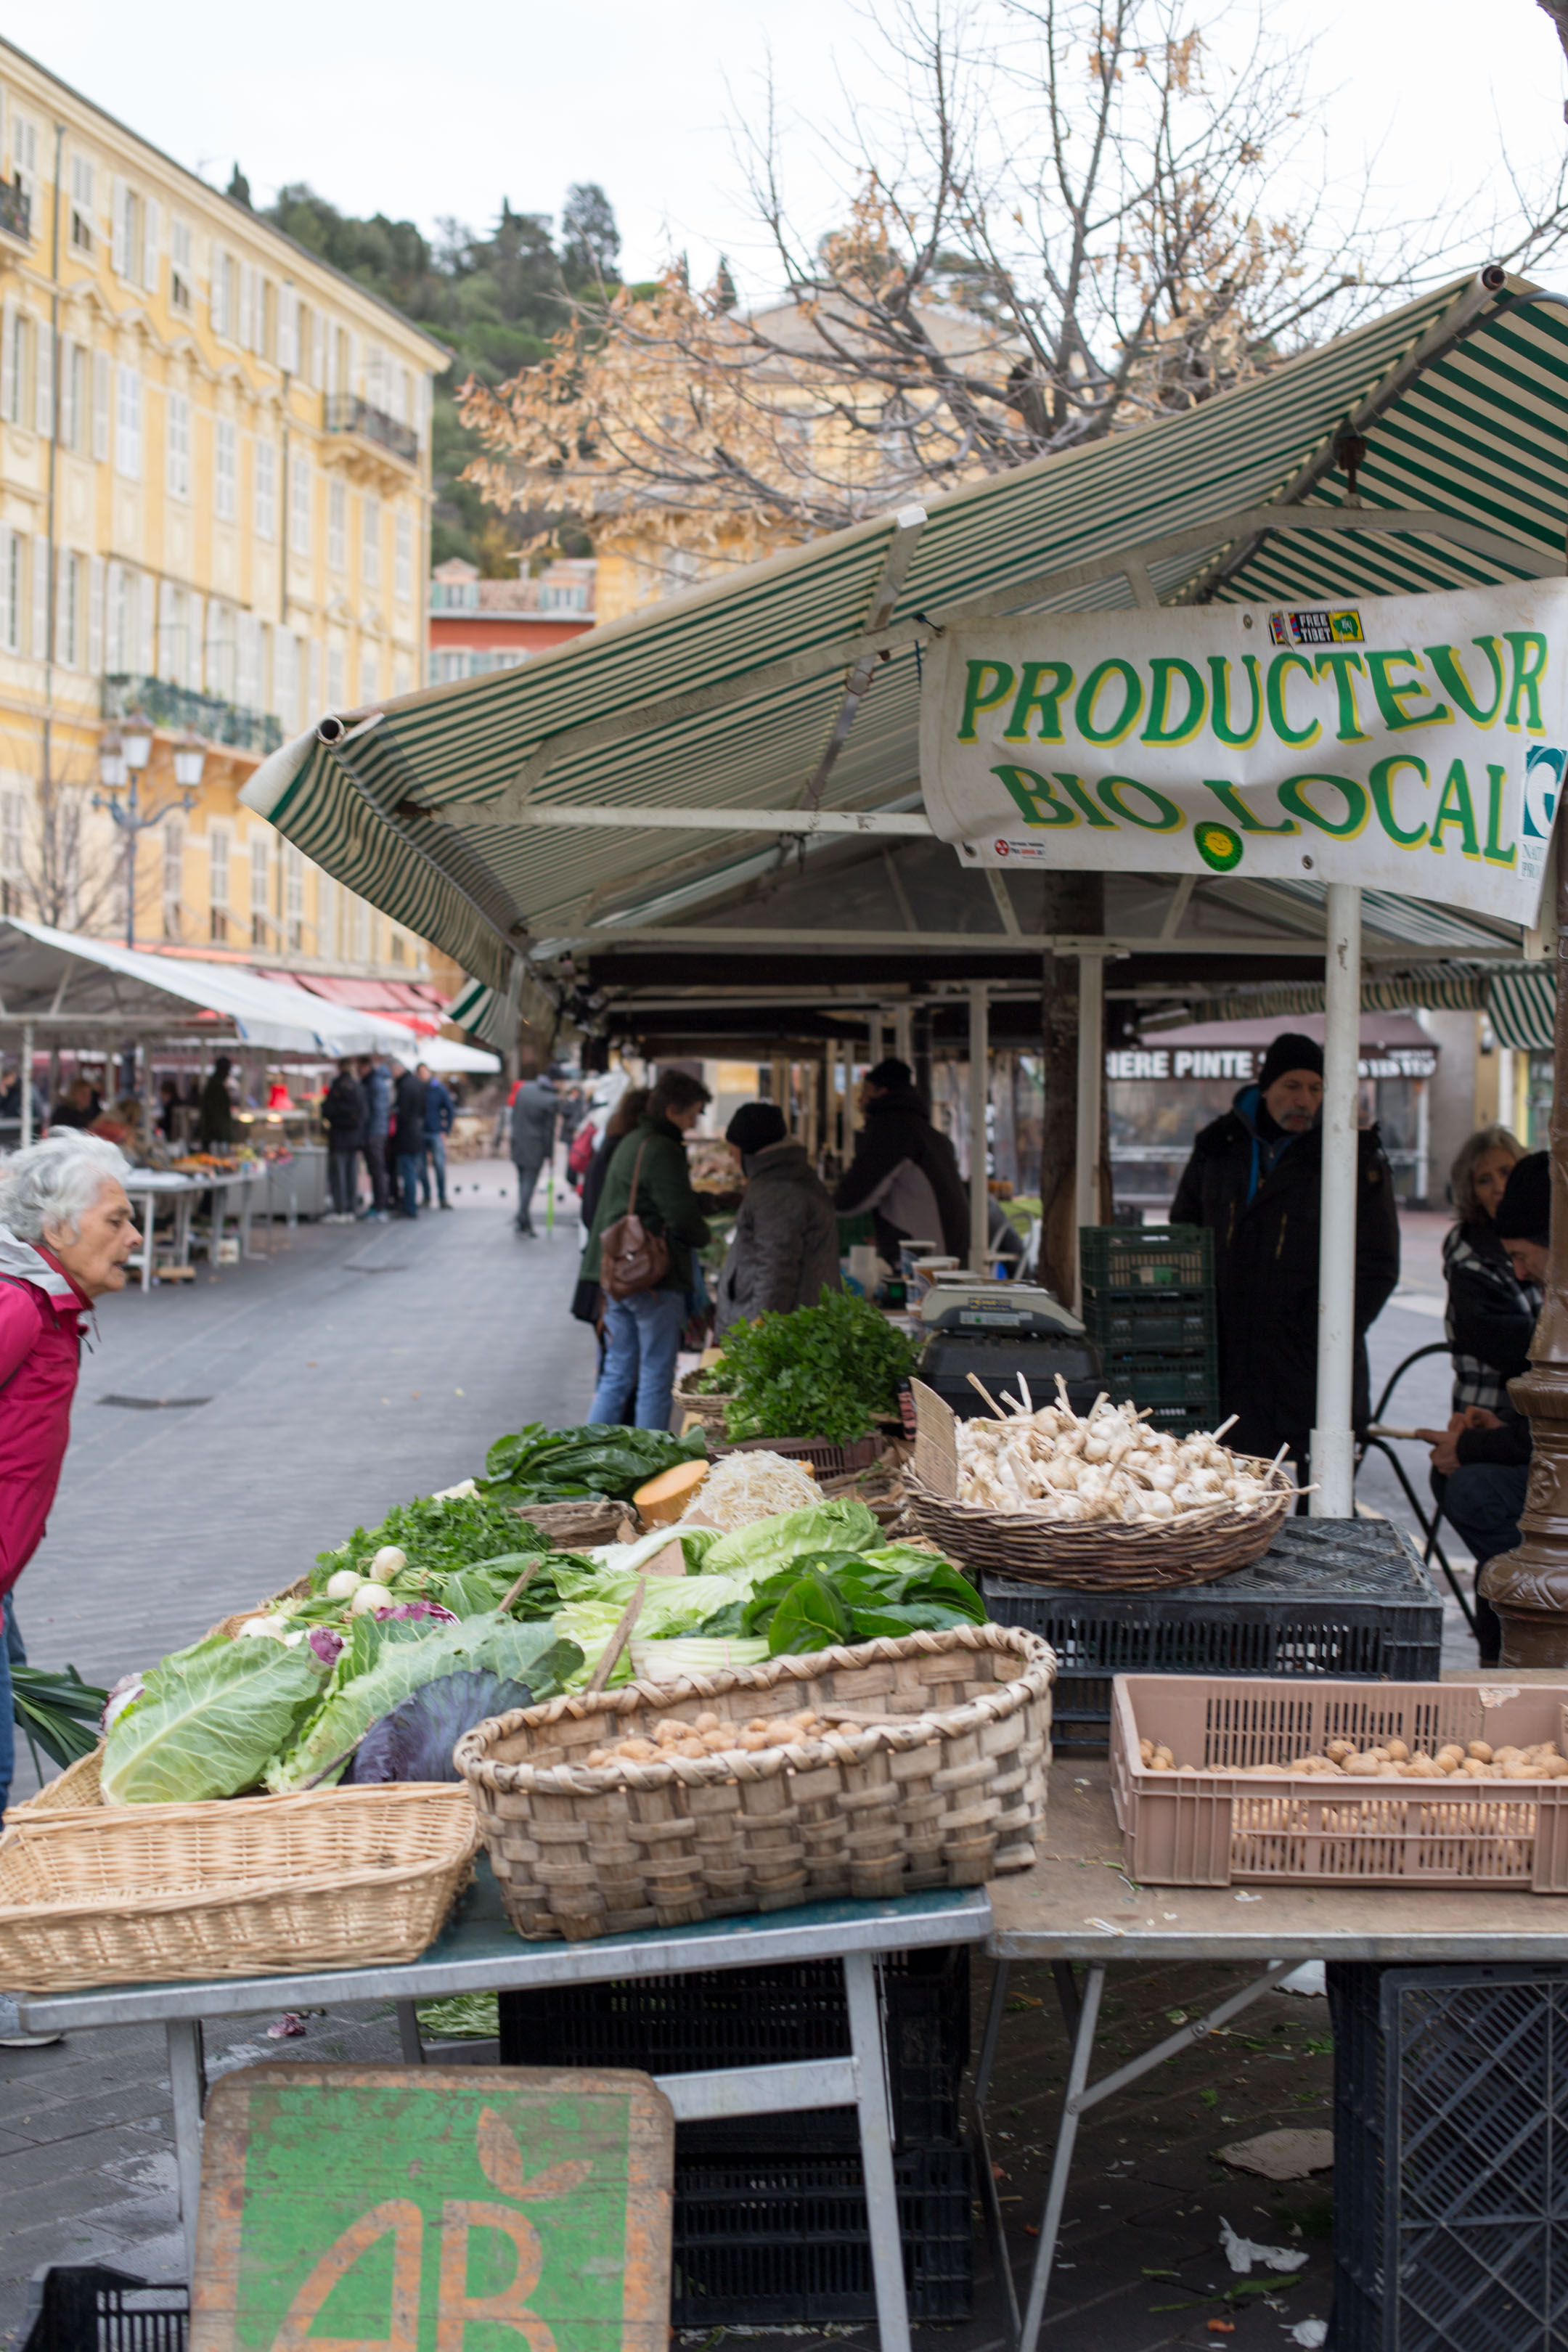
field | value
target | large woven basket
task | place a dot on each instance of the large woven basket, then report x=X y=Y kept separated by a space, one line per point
x=936 y=1779
x=704 y=1405
x=1102 y=1556
x=259 y=1885
x=78 y=1785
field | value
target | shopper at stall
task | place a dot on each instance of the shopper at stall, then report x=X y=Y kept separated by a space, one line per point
x=1491 y=1314
x=1480 y=1463
x=408 y=1102
x=621 y=1121
x=217 y=1106
x=376 y=1081
x=343 y=1114
x=78 y=1107
x=642 y=1333
x=1255 y=1181
x=904 y=1171
x=784 y=1250
x=534 y=1109
x=439 y=1112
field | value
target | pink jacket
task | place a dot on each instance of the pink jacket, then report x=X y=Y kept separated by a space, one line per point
x=40 y=1356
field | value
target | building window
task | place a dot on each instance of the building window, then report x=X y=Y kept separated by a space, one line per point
x=402 y=580
x=12 y=586
x=81 y=203
x=219 y=849
x=67 y=610
x=174 y=878
x=258 y=922
x=13 y=835
x=177 y=465
x=369 y=674
x=300 y=503
x=226 y=296
x=225 y=471
x=17 y=342
x=360 y=932
x=128 y=423
x=181 y=274
x=76 y=398
x=294 y=897
x=337 y=526
x=571 y=598
x=266 y=490
x=370 y=540
x=25 y=163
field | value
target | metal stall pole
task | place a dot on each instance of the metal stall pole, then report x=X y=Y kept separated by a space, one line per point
x=1333 y=1441
x=903 y=1045
x=979 y=1079
x=27 y=1078
x=1090 y=1093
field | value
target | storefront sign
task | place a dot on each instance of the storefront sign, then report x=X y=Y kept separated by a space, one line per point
x=1410 y=743
x=1242 y=1063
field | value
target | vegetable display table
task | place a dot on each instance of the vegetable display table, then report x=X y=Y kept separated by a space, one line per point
x=1067 y=1910
x=478 y=1952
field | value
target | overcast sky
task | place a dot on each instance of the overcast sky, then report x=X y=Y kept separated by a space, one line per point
x=421 y=110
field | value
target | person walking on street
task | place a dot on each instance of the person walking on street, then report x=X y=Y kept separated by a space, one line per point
x=785 y=1253
x=438 y=1116
x=534 y=1114
x=409 y=1095
x=1256 y=1179
x=377 y=1083
x=904 y=1171
x=642 y=1333
x=66 y=1230
x=218 y=1106
x=343 y=1113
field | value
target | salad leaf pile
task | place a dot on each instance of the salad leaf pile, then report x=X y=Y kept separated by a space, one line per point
x=558 y=1465
x=829 y=1372
x=437 y=1532
x=856 y=1596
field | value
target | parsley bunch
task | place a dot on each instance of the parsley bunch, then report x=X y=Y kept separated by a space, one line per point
x=830 y=1371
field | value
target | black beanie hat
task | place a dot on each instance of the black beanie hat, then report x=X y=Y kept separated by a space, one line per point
x=1524 y=1213
x=754 y=1127
x=1291 y=1052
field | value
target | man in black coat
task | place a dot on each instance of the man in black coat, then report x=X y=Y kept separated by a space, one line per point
x=344 y=1113
x=904 y=1171
x=408 y=1105
x=1256 y=1179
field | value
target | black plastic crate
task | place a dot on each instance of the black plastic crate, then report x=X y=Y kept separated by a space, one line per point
x=766 y=2016
x=1145 y=1257
x=1150 y=1319
x=1165 y=1376
x=1450 y=2158
x=84 y=2307
x=1340 y=1597
x=782 y=2240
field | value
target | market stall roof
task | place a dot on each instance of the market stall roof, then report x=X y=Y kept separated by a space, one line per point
x=608 y=795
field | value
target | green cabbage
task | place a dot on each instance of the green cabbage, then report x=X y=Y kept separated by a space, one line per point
x=208 y=1719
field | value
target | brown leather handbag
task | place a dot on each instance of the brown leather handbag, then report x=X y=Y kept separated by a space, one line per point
x=630 y=1257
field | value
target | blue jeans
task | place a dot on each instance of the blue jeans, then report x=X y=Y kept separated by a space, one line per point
x=11 y=1654
x=642 y=1337
x=434 y=1157
x=409 y=1163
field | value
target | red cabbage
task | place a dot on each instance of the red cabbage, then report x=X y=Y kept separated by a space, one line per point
x=416 y=1739
x=417 y=1608
x=327 y=1644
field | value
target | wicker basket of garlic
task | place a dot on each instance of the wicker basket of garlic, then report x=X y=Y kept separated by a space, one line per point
x=1100 y=1500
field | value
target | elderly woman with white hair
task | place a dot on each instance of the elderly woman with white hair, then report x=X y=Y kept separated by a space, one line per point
x=66 y=1230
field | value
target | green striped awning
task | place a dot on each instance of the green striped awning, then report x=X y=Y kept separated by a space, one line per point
x=728 y=697
x=1520 y=1000
x=1522 y=1003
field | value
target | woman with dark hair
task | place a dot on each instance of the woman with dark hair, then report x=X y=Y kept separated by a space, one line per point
x=621 y=1121
x=642 y=1332
x=1491 y=1314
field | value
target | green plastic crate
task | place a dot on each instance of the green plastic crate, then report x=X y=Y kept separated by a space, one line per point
x=1159 y=1376
x=1145 y=1257
x=1119 y=1320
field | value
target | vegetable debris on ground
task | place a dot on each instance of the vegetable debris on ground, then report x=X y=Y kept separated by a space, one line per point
x=829 y=1372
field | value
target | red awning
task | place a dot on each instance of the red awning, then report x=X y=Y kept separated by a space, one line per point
x=396 y=996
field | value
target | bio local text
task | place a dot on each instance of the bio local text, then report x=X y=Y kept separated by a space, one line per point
x=1413 y=743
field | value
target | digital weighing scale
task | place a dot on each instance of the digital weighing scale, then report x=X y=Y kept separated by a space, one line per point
x=996 y=1330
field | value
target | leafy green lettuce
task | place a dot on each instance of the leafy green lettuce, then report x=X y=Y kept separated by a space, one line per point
x=208 y=1719
x=759 y=1550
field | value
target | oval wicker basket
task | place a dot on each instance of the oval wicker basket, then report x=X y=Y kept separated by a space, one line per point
x=936 y=1779
x=704 y=1405
x=1101 y=1556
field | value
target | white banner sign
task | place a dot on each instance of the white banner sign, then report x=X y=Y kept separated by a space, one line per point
x=1409 y=743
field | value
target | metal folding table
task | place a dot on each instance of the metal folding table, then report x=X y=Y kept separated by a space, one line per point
x=479 y=1952
x=151 y=1185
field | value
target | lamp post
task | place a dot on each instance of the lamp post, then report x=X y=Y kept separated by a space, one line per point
x=122 y=755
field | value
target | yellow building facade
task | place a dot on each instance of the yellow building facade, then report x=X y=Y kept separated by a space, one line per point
x=215 y=494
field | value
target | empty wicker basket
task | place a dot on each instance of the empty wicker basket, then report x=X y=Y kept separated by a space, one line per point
x=936 y=1777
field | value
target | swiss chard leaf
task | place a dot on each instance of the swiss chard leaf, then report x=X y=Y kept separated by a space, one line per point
x=811 y=1616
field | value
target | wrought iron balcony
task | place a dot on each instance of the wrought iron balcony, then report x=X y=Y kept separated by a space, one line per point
x=176 y=708
x=15 y=212
x=346 y=413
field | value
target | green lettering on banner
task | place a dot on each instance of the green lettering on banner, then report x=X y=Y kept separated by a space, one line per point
x=1529 y=649
x=979 y=696
x=1169 y=817
x=1456 y=807
x=1163 y=673
x=1279 y=669
x=1381 y=781
x=1293 y=795
x=1219 y=670
x=1046 y=699
x=1077 y=790
x=1339 y=665
x=1229 y=798
x=1035 y=801
x=1393 y=693
x=1088 y=694
x=1445 y=660
x=1494 y=852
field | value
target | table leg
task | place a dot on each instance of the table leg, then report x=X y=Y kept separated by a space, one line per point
x=1061 y=2163
x=219 y=1195
x=247 y=1197
x=876 y=2153
x=986 y=2178
x=181 y=1243
x=188 y=2081
x=413 y=2049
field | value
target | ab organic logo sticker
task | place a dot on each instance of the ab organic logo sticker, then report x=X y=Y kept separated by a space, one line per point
x=1217 y=846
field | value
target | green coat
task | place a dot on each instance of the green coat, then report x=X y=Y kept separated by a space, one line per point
x=665 y=1202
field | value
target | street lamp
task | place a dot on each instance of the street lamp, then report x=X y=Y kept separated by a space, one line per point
x=123 y=754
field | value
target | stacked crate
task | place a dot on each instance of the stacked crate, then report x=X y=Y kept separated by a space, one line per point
x=1148 y=1305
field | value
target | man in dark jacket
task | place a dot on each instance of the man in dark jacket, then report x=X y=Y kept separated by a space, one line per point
x=438 y=1116
x=904 y=1171
x=375 y=1082
x=785 y=1253
x=217 y=1106
x=1480 y=1463
x=343 y=1114
x=1256 y=1179
x=408 y=1105
x=534 y=1109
